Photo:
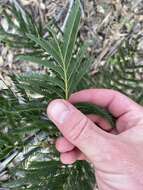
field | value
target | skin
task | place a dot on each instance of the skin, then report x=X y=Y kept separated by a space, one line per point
x=117 y=154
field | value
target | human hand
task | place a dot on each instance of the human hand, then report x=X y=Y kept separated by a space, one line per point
x=117 y=155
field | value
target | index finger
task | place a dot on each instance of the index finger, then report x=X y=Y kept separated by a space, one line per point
x=117 y=103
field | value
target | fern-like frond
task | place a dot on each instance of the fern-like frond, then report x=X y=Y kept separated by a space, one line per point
x=23 y=117
x=121 y=73
x=63 y=51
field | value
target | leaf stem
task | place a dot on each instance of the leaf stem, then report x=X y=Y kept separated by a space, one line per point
x=66 y=83
x=65 y=77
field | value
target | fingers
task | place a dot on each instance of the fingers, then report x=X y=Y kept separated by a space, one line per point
x=63 y=145
x=117 y=103
x=71 y=157
x=100 y=121
x=129 y=120
x=78 y=129
x=68 y=151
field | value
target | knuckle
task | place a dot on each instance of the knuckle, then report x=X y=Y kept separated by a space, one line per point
x=79 y=129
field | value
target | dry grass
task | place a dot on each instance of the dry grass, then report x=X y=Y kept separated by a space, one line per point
x=105 y=23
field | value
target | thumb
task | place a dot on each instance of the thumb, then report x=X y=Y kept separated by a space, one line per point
x=78 y=129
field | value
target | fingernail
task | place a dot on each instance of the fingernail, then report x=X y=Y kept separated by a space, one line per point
x=58 y=111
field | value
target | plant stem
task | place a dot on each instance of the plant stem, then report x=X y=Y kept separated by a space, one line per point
x=66 y=85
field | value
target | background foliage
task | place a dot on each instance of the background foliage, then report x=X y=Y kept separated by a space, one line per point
x=27 y=136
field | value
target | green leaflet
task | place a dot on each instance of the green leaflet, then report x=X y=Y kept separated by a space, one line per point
x=70 y=33
x=47 y=46
x=41 y=81
x=23 y=26
x=76 y=62
x=88 y=108
x=79 y=73
x=43 y=62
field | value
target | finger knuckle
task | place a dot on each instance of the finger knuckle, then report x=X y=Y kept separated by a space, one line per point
x=79 y=129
